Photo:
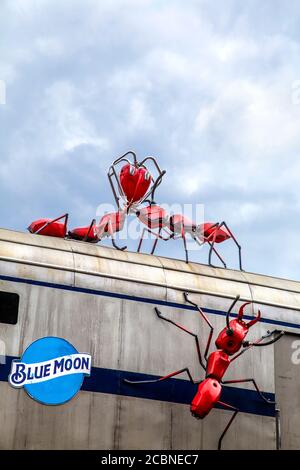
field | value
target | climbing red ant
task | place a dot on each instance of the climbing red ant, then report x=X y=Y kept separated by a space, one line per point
x=215 y=364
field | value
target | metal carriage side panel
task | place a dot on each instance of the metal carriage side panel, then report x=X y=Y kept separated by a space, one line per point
x=287 y=380
x=104 y=421
x=102 y=301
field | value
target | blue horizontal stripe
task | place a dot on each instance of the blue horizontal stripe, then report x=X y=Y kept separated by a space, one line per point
x=116 y=295
x=111 y=381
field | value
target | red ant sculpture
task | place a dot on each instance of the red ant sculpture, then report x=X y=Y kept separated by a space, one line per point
x=133 y=184
x=229 y=342
x=134 y=181
x=50 y=227
x=177 y=226
x=108 y=225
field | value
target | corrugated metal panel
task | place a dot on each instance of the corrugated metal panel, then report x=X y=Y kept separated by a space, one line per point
x=52 y=255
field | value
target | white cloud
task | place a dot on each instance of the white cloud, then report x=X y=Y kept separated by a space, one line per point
x=139 y=116
x=50 y=46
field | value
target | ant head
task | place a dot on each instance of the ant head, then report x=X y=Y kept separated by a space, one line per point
x=231 y=338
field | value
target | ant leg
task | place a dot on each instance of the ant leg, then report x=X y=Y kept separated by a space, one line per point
x=207 y=240
x=185 y=294
x=214 y=236
x=112 y=174
x=157 y=235
x=235 y=241
x=86 y=237
x=100 y=229
x=200 y=243
x=156 y=184
x=236 y=410
x=141 y=240
x=239 y=381
x=112 y=236
x=120 y=248
x=65 y=216
x=165 y=377
x=160 y=172
x=159 y=314
x=258 y=343
x=185 y=247
x=218 y=255
x=155 y=242
x=123 y=159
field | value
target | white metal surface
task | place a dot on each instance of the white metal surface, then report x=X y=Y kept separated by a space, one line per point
x=71 y=295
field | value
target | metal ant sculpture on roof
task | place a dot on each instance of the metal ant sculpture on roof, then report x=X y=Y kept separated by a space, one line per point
x=228 y=344
x=133 y=185
x=178 y=226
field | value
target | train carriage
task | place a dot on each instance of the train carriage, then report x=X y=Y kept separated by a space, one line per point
x=102 y=301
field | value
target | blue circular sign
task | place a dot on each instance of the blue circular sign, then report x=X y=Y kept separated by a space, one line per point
x=51 y=371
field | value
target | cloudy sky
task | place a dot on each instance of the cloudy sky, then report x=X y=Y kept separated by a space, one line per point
x=211 y=87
